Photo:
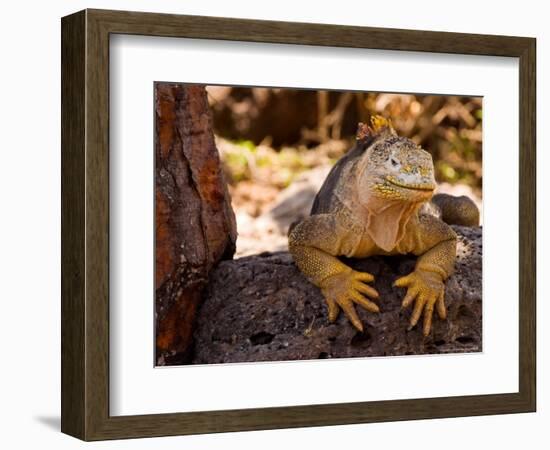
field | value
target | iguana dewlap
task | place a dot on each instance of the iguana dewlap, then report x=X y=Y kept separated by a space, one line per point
x=375 y=202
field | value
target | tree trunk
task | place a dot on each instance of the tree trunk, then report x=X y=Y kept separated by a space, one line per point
x=194 y=222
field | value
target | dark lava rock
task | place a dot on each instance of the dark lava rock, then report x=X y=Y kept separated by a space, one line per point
x=261 y=308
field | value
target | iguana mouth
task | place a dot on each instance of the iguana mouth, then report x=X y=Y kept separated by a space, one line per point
x=413 y=186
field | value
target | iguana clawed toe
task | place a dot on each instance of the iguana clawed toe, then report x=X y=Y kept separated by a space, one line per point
x=344 y=289
x=427 y=291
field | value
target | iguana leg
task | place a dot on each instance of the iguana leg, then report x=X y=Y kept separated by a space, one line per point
x=457 y=210
x=313 y=243
x=426 y=284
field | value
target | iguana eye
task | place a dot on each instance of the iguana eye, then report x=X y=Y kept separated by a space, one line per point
x=394 y=162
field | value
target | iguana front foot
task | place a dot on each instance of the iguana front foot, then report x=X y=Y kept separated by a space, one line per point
x=428 y=291
x=344 y=289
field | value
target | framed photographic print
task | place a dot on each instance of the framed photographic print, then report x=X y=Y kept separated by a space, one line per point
x=271 y=224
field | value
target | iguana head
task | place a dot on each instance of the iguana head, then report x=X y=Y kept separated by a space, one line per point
x=394 y=178
x=393 y=168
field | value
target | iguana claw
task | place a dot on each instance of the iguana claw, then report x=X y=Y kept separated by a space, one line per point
x=428 y=291
x=344 y=289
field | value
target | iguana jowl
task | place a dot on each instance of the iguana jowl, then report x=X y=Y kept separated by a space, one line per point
x=375 y=201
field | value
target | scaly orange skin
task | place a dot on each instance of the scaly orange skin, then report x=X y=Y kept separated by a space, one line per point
x=375 y=208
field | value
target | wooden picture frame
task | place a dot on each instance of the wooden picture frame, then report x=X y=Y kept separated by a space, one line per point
x=85 y=224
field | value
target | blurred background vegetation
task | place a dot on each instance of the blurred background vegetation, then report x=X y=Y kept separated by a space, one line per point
x=272 y=138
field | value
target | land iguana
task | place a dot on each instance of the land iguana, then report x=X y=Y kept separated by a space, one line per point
x=378 y=200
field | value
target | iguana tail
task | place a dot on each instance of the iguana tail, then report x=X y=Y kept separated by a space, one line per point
x=457 y=210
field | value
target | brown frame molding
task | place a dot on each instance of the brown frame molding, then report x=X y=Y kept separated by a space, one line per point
x=85 y=224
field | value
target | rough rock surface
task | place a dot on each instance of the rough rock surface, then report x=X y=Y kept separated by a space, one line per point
x=261 y=308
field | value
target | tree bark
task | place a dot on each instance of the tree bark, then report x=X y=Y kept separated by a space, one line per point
x=194 y=222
